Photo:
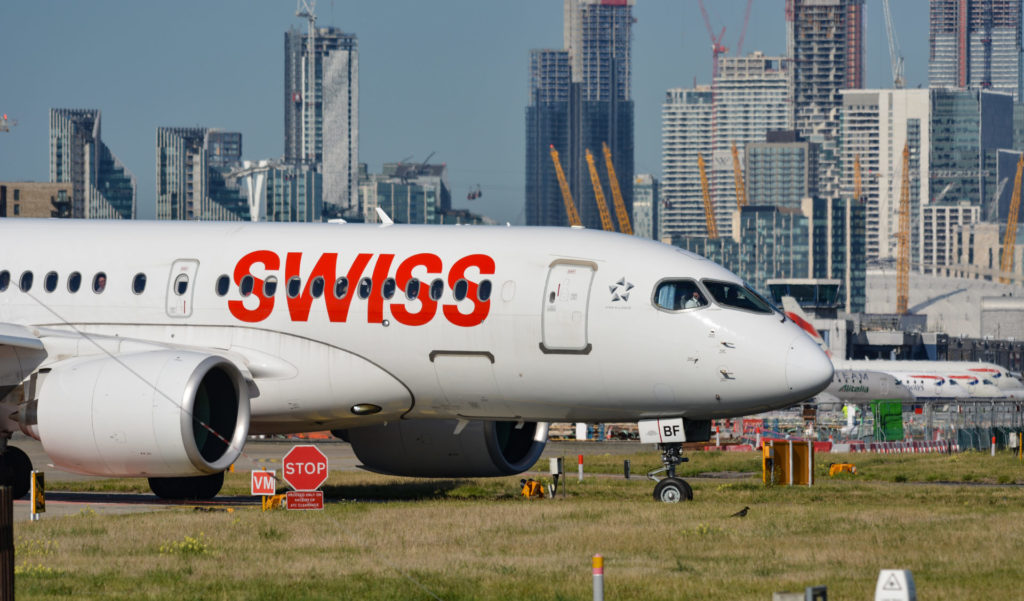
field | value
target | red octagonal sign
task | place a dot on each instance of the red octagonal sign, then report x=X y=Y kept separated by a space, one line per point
x=304 y=467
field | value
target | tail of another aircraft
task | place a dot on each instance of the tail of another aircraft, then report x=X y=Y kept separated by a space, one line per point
x=794 y=312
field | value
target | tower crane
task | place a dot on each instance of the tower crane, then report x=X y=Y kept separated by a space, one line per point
x=1010 y=238
x=716 y=42
x=570 y=206
x=602 y=205
x=856 y=178
x=903 y=239
x=613 y=182
x=709 y=212
x=6 y=124
x=741 y=188
x=895 y=53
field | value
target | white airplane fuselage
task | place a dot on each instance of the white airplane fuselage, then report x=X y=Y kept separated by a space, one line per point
x=529 y=324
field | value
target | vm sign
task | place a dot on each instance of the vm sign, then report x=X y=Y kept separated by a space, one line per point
x=263 y=483
x=304 y=467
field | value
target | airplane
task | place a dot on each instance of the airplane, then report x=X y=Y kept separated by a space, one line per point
x=925 y=380
x=153 y=349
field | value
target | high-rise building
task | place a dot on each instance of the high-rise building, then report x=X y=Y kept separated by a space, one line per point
x=413 y=193
x=825 y=41
x=751 y=96
x=646 y=198
x=321 y=110
x=876 y=126
x=193 y=179
x=580 y=99
x=782 y=170
x=102 y=187
x=975 y=44
x=940 y=224
x=685 y=135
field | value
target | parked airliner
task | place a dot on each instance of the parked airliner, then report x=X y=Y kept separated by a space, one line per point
x=152 y=349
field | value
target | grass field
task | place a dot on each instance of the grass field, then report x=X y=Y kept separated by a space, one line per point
x=477 y=539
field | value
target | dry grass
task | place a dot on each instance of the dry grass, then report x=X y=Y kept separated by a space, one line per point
x=476 y=539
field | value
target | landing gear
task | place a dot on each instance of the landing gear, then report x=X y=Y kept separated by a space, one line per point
x=670 y=489
x=195 y=488
x=15 y=471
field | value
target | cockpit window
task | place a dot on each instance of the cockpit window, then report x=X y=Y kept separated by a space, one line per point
x=676 y=295
x=730 y=294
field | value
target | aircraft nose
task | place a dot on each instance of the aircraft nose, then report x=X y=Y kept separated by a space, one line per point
x=808 y=368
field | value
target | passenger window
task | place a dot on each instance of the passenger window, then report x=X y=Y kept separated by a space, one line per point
x=74 y=282
x=294 y=286
x=365 y=286
x=5 y=280
x=436 y=289
x=270 y=286
x=139 y=283
x=460 y=289
x=246 y=284
x=388 y=289
x=340 y=287
x=412 y=289
x=483 y=292
x=181 y=284
x=26 y=281
x=737 y=296
x=316 y=287
x=99 y=282
x=676 y=295
x=223 y=285
x=50 y=283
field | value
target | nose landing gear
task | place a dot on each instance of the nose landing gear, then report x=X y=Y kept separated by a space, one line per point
x=670 y=489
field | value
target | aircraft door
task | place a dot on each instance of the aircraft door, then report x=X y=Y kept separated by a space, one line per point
x=180 y=287
x=564 y=316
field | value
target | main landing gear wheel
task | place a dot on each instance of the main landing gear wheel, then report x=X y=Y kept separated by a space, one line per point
x=16 y=471
x=195 y=488
x=672 y=490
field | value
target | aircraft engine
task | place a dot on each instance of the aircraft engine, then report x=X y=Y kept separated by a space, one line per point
x=431 y=449
x=139 y=414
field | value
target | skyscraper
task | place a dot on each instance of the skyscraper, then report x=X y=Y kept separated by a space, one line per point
x=825 y=40
x=580 y=99
x=192 y=167
x=685 y=134
x=103 y=188
x=321 y=110
x=975 y=44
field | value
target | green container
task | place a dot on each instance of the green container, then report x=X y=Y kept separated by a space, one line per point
x=888 y=416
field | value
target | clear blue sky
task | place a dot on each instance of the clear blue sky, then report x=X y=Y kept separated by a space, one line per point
x=449 y=76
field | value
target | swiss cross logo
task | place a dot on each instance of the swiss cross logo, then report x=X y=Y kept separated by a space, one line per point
x=304 y=467
x=263 y=482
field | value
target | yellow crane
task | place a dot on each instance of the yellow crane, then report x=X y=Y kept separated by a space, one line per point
x=613 y=181
x=1010 y=238
x=903 y=239
x=709 y=212
x=856 y=177
x=570 y=206
x=602 y=205
x=741 y=188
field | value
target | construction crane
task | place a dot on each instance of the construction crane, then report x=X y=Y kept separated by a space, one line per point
x=570 y=206
x=613 y=181
x=895 y=53
x=903 y=239
x=856 y=177
x=602 y=205
x=741 y=189
x=6 y=124
x=1010 y=239
x=709 y=211
x=716 y=42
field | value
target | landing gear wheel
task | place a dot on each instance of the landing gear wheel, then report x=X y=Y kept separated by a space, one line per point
x=195 y=488
x=672 y=490
x=16 y=471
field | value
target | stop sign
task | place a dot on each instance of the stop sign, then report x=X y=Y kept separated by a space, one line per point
x=304 y=467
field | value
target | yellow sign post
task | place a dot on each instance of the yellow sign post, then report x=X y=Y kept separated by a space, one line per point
x=38 y=495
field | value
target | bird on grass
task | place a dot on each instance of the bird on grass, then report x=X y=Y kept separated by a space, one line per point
x=742 y=513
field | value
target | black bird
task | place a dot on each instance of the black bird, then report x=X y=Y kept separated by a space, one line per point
x=742 y=513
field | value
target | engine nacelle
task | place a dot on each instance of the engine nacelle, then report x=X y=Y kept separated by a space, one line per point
x=431 y=449
x=139 y=414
